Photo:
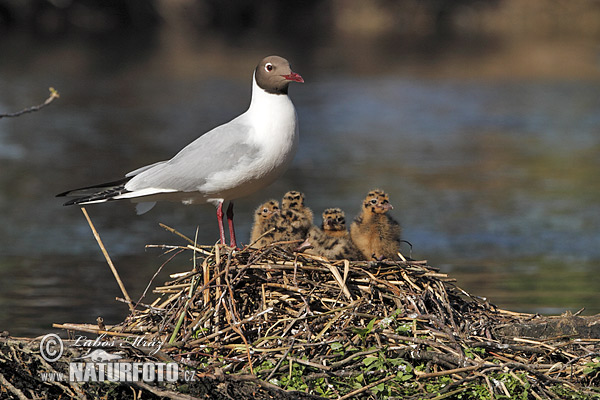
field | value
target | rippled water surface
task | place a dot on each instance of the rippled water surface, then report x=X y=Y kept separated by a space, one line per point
x=495 y=180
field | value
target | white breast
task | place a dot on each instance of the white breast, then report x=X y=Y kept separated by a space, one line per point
x=274 y=129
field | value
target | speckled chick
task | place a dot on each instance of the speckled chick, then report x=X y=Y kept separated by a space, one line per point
x=374 y=231
x=332 y=240
x=296 y=218
x=266 y=218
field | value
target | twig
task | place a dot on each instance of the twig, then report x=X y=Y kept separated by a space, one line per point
x=309 y=363
x=192 y=285
x=108 y=260
x=154 y=276
x=53 y=95
x=5 y=383
x=341 y=282
x=181 y=235
x=448 y=394
x=88 y=328
x=160 y=392
x=541 y=344
x=351 y=357
x=281 y=360
x=261 y=236
x=365 y=388
x=448 y=372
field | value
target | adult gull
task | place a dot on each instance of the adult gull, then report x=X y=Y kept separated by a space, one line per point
x=230 y=161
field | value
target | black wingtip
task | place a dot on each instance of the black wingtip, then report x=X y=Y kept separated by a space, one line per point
x=70 y=202
x=104 y=191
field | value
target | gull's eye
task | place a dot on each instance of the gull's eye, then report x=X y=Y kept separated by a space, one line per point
x=268 y=67
x=373 y=201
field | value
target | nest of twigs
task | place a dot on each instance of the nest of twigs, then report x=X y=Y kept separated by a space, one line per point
x=344 y=329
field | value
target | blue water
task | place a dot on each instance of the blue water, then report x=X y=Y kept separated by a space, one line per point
x=494 y=180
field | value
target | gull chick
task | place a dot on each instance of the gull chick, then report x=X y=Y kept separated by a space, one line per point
x=296 y=217
x=374 y=231
x=332 y=240
x=231 y=161
x=266 y=220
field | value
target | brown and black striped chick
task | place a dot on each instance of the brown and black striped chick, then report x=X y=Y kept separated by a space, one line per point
x=333 y=239
x=266 y=218
x=374 y=231
x=296 y=218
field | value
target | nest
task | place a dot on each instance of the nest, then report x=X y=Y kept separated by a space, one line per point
x=347 y=328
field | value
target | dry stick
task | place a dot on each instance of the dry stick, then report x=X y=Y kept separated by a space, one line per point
x=448 y=394
x=53 y=95
x=449 y=371
x=187 y=303
x=365 y=388
x=84 y=328
x=206 y=275
x=281 y=360
x=108 y=260
x=237 y=330
x=328 y=325
x=181 y=235
x=160 y=392
x=154 y=276
x=351 y=357
x=261 y=236
x=541 y=344
x=5 y=383
x=264 y=299
x=232 y=317
x=185 y=307
x=201 y=290
x=309 y=363
x=339 y=280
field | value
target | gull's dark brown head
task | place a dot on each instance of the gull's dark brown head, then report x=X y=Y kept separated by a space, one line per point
x=273 y=74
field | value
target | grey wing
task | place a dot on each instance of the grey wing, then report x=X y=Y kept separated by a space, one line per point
x=142 y=169
x=222 y=149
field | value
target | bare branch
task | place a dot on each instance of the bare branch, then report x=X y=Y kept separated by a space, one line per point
x=53 y=95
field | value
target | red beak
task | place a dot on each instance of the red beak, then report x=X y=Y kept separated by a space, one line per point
x=294 y=77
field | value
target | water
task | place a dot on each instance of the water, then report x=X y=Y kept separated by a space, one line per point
x=494 y=179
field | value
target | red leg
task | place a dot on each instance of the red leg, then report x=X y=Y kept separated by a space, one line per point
x=220 y=221
x=230 y=222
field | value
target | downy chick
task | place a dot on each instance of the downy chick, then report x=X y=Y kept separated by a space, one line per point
x=266 y=217
x=332 y=240
x=374 y=231
x=296 y=218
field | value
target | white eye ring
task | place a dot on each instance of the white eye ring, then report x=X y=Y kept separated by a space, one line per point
x=268 y=67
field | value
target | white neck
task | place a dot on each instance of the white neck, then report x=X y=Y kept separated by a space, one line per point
x=261 y=98
x=271 y=111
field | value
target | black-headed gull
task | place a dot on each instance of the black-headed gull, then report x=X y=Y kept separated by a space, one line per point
x=231 y=161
